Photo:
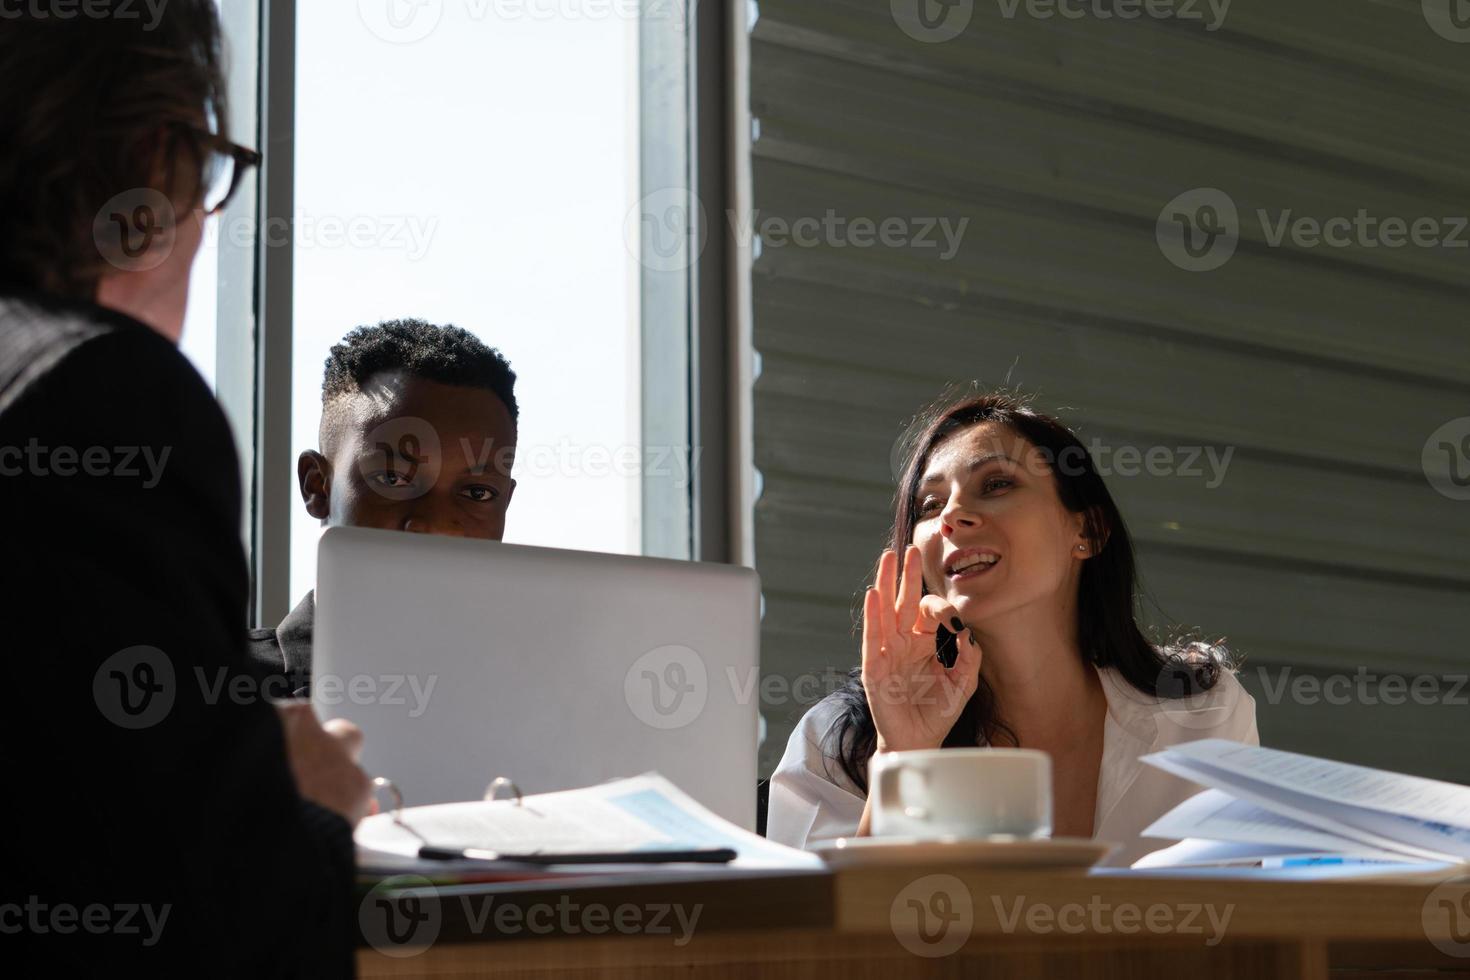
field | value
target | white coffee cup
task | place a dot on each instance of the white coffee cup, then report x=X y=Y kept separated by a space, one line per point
x=973 y=793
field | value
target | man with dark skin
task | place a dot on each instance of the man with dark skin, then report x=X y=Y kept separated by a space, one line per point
x=418 y=434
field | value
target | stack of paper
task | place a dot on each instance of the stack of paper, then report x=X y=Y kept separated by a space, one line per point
x=632 y=816
x=1274 y=808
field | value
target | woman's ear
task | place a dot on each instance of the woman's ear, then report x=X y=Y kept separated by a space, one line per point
x=314 y=475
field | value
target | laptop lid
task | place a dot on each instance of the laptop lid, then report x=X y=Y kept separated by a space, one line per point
x=465 y=660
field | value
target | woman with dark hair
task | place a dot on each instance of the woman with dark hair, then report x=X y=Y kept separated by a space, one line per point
x=144 y=771
x=1009 y=541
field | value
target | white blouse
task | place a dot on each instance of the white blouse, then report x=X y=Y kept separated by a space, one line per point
x=812 y=800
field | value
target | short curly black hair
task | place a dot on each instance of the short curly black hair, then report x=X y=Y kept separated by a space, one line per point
x=449 y=355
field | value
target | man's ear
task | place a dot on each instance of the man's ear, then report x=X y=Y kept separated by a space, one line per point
x=314 y=476
x=510 y=492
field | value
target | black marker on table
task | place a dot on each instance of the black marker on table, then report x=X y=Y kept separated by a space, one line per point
x=703 y=855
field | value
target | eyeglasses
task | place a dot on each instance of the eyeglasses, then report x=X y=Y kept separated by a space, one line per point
x=225 y=166
x=224 y=171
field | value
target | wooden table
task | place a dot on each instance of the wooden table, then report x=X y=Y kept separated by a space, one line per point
x=924 y=921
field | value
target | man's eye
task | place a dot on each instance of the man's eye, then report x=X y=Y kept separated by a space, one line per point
x=391 y=478
x=481 y=494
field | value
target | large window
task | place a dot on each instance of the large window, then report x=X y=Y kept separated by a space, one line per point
x=524 y=170
x=474 y=167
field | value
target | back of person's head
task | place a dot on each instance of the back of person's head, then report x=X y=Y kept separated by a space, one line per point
x=109 y=100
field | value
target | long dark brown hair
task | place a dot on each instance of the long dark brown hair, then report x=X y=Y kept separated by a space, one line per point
x=1107 y=627
x=106 y=102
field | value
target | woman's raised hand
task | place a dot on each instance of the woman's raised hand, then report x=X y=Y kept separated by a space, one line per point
x=914 y=698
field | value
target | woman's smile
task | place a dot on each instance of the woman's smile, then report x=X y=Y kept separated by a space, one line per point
x=969 y=563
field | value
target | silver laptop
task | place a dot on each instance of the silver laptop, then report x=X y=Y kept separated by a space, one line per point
x=466 y=660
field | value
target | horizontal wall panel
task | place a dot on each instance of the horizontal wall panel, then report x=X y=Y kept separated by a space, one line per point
x=1121 y=381
x=859 y=121
x=1218 y=84
x=1088 y=266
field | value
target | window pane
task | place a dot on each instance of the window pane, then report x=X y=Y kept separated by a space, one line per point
x=479 y=174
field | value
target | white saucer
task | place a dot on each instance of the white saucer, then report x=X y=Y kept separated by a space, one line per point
x=879 y=852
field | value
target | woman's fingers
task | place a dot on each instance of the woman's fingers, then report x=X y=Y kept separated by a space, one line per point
x=934 y=611
x=910 y=589
x=887 y=586
x=967 y=664
x=872 y=630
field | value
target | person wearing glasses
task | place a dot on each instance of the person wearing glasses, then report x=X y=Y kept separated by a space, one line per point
x=164 y=819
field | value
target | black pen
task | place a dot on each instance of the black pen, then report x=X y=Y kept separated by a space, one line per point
x=704 y=855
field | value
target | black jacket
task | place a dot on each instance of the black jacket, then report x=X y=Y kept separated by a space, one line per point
x=141 y=774
x=282 y=656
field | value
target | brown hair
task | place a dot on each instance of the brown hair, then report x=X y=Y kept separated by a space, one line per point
x=107 y=102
